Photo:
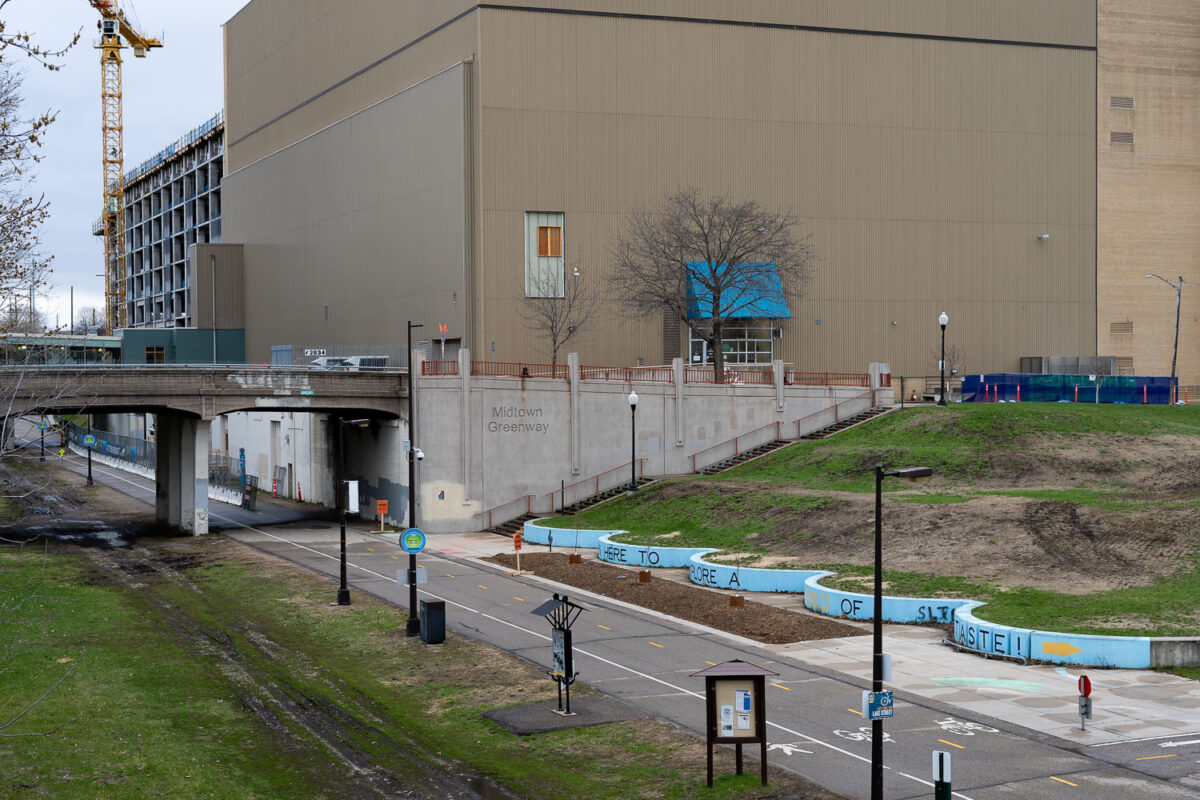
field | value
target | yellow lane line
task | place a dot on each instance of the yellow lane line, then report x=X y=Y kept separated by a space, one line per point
x=777 y=686
x=448 y=575
x=522 y=599
x=711 y=663
x=370 y=549
x=1151 y=758
x=396 y=558
x=481 y=586
x=852 y=711
x=1060 y=780
x=952 y=744
x=656 y=644
x=603 y=626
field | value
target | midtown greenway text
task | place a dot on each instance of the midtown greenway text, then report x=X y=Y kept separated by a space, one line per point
x=503 y=420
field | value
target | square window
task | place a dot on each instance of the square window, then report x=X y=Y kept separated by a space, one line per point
x=156 y=354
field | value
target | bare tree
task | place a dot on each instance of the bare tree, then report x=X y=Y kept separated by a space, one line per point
x=87 y=319
x=559 y=318
x=719 y=258
x=23 y=265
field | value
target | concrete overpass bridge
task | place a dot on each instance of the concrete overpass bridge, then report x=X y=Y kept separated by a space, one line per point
x=186 y=398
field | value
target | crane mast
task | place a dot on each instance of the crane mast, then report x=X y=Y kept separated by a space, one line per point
x=114 y=26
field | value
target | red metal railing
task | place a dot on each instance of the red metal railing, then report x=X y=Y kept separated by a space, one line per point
x=836 y=411
x=732 y=374
x=826 y=379
x=627 y=374
x=736 y=441
x=506 y=511
x=439 y=368
x=588 y=487
x=518 y=369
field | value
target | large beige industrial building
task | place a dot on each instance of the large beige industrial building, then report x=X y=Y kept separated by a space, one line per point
x=391 y=161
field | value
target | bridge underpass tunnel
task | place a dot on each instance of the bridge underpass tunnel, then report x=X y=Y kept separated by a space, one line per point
x=181 y=474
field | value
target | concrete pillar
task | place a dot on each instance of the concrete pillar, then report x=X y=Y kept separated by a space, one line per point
x=193 y=482
x=168 y=435
x=166 y=452
x=576 y=415
x=678 y=376
x=466 y=422
x=777 y=377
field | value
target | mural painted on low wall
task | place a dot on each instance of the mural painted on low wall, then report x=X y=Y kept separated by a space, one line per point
x=989 y=638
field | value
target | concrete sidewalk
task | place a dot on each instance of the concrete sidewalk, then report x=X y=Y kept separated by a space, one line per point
x=1128 y=704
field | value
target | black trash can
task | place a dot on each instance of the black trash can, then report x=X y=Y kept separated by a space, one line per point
x=433 y=621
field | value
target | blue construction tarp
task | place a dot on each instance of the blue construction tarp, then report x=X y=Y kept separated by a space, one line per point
x=1010 y=387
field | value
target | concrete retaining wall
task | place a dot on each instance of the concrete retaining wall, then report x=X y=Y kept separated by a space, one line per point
x=1131 y=652
x=508 y=444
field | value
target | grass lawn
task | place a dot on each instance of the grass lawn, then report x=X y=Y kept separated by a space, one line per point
x=955 y=440
x=229 y=677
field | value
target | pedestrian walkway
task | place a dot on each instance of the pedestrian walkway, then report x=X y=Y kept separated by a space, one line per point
x=1127 y=704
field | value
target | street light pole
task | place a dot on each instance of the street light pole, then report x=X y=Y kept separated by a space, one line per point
x=413 y=625
x=912 y=474
x=343 y=595
x=1178 y=287
x=942 y=320
x=90 y=482
x=633 y=401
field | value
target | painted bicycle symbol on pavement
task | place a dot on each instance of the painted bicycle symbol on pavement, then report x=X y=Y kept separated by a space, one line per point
x=863 y=734
x=962 y=727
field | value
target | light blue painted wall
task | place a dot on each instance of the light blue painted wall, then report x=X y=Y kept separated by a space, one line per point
x=1132 y=652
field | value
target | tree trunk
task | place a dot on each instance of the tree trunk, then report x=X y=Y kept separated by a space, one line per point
x=718 y=354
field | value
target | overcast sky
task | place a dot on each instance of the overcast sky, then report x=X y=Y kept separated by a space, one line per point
x=166 y=94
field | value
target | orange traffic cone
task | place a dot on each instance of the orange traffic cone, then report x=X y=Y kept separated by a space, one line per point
x=299 y=494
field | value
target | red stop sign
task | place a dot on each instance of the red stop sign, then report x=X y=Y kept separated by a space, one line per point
x=1085 y=686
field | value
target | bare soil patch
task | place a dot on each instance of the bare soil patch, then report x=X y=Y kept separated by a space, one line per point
x=756 y=621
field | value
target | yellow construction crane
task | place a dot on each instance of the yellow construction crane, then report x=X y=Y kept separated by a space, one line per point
x=113 y=25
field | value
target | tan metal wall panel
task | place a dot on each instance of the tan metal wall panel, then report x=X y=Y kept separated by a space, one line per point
x=365 y=218
x=924 y=169
x=226 y=307
x=282 y=55
x=1149 y=204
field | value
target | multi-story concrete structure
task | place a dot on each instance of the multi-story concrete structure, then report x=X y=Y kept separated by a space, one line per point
x=942 y=153
x=172 y=201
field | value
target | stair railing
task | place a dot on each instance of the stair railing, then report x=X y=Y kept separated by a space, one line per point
x=590 y=487
x=737 y=444
x=498 y=515
x=832 y=415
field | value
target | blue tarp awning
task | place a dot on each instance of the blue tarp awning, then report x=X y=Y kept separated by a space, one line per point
x=757 y=295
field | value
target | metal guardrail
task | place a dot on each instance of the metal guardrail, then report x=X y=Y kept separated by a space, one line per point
x=590 y=487
x=737 y=445
x=838 y=414
x=489 y=517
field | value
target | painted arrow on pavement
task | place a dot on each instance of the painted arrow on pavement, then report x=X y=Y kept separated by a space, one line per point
x=1179 y=744
x=788 y=749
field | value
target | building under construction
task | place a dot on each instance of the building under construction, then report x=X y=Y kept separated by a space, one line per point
x=172 y=201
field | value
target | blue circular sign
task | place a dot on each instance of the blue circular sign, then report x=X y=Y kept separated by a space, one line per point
x=43 y=425
x=89 y=441
x=413 y=541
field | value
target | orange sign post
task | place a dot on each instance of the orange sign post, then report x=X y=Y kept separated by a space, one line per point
x=381 y=507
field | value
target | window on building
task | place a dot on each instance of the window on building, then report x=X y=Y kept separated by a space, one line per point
x=544 y=276
x=549 y=241
x=156 y=354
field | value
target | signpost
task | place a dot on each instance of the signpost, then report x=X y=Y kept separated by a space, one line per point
x=89 y=442
x=736 y=709
x=1085 y=701
x=42 y=426
x=413 y=542
x=381 y=508
x=877 y=705
x=561 y=613
x=941 y=775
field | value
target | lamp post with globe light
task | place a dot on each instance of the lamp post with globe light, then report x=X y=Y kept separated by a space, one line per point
x=943 y=320
x=633 y=401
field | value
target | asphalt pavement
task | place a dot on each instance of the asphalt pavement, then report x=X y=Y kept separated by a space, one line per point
x=1013 y=731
